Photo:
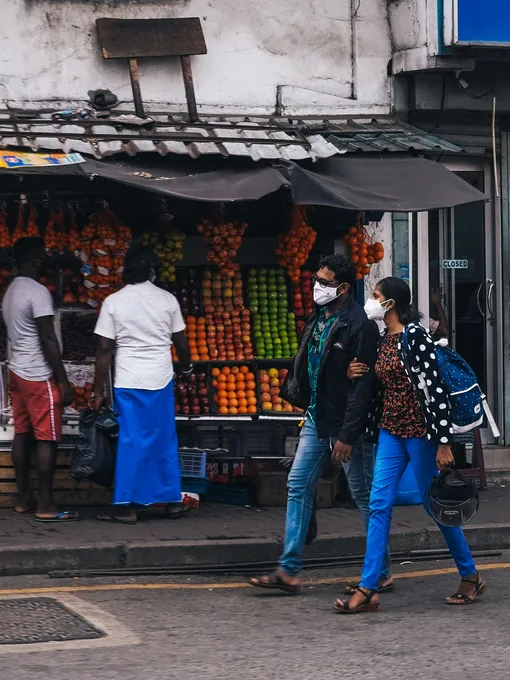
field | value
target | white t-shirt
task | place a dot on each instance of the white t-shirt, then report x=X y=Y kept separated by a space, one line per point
x=141 y=319
x=25 y=301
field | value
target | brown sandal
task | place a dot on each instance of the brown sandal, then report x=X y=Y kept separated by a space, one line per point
x=342 y=606
x=351 y=588
x=462 y=598
x=275 y=582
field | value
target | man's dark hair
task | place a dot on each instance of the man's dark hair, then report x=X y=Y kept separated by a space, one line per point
x=26 y=249
x=139 y=262
x=342 y=268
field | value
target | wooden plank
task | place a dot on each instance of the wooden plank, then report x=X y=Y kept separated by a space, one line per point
x=63 y=459
x=128 y=38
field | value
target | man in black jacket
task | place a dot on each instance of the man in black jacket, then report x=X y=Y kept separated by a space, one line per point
x=337 y=332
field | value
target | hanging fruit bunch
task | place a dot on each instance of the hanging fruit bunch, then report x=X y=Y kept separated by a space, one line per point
x=364 y=251
x=5 y=236
x=103 y=245
x=56 y=238
x=224 y=240
x=168 y=249
x=20 y=229
x=295 y=245
x=32 y=228
x=74 y=234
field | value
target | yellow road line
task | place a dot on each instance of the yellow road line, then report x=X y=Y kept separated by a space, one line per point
x=224 y=586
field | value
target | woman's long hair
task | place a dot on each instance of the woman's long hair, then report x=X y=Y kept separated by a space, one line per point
x=397 y=290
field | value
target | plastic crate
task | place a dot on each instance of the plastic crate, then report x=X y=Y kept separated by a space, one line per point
x=221 y=493
x=194 y=485
x=193 y=464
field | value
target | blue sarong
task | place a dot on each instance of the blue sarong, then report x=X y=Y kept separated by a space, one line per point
x=148 y=469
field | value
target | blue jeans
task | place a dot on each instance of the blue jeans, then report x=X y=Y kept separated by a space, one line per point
x=393 y=456
x=311 y=456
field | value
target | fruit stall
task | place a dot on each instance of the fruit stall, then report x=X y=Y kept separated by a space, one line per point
x=242 y=273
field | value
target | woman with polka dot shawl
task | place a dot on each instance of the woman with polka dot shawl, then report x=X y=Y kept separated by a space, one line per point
x=412 y=417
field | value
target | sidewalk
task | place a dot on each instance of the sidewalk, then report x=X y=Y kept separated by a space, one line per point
x=221 y=534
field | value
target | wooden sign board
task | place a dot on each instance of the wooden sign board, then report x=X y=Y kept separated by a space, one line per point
x=132 y=38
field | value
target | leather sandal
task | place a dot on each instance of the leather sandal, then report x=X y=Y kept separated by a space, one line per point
x=351 y=588
x=275 y=582
x=342 y=606
x=462 y=598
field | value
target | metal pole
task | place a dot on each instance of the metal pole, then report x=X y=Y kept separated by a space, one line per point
x=189 y=89
x=134 y=74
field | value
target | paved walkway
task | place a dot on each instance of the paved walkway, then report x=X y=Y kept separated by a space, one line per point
x=215 y=523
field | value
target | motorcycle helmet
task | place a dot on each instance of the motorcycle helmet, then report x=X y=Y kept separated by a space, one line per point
x=453 y=500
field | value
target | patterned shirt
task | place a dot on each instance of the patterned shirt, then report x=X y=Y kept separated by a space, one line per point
x=401 y=413
x=316 y=345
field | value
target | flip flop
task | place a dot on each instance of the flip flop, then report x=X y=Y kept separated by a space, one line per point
x=61 y=517
x=102 y=517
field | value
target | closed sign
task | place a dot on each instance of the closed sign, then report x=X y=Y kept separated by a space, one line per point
x=455 y=264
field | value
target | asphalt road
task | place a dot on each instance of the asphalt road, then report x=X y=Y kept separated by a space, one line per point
x=217 y=629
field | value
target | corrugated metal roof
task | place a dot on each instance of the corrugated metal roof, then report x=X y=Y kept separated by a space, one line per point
x=259 y=138
x=163 y=134
x=387 y=135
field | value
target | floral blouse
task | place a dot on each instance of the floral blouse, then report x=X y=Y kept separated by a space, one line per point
x=401 y=411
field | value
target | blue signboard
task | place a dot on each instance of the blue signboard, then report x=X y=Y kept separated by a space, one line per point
x=478 y=22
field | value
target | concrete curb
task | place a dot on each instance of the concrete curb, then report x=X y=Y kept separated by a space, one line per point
x=28 y=559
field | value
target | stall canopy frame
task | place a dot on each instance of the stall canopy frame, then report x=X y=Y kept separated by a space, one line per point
x=385 y=184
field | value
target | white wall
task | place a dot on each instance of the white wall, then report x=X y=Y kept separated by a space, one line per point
x=49 y=54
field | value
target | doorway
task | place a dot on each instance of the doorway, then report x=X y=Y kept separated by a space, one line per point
x=461 y=267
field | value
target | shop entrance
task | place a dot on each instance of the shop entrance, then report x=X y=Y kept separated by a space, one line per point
x=461 y=267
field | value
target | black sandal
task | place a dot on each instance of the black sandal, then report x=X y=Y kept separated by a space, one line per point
x=462 y=598
x=275 y=582
x=351 y=588
x=342 y=606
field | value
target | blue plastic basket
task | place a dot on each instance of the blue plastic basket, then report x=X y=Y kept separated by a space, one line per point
x=193 y=464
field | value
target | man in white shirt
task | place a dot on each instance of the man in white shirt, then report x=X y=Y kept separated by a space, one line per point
x=141 y=322
x=37 y=379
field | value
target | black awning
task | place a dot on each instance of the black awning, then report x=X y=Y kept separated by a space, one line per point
x=191 y=179
x=383 y=184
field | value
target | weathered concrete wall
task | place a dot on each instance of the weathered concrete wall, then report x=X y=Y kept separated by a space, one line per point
x=328 y=56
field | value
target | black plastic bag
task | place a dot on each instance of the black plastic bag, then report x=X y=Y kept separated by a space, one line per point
x=96 y=451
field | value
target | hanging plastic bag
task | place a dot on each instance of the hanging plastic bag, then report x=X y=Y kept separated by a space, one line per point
x=95 y=454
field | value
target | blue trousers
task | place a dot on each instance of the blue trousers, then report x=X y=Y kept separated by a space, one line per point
x=393 y=456
x=311 y=456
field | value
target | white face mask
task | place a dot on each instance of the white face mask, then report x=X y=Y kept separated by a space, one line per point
x=324 y=296
x=375 y=310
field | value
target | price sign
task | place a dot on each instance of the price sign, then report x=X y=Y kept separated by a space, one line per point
x=455 y=264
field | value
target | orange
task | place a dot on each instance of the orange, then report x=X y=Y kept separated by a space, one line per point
x=225 y=370
x=192 y=335
x=240 y=387
x=242 y=410
x=241 y=394
x=222 y=402
x=232 y=411
x=244 y=369
x=250 y=385
x=252 y=401
x=250 y=393
x=252 y=409
x=240 y=377
x=231 y=382
x=222 y=394
x=233 y=403
x=195 y=357
x=223 y=410
x=250 y=376
x=231 y=395
x=215 y=372
x=222 y=378
x=242 y=402
x=234 y=370
x=215 y=384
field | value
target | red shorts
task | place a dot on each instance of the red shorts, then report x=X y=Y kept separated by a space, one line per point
x=37 y=407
